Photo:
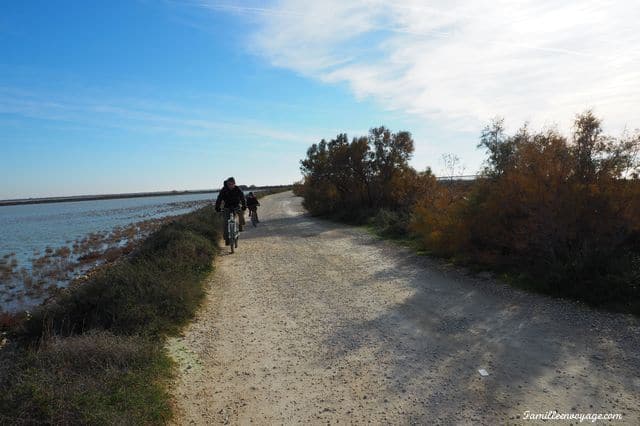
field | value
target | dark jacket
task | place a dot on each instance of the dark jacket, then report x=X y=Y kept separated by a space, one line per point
x=252 y=201
x=231 y=197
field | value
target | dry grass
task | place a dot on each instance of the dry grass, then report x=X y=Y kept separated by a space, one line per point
x=96 y=378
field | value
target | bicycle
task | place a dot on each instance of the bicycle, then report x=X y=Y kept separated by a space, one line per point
x=253 y=214
x=232 y=228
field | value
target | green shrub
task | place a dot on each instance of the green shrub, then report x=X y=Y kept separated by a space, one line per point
x=153 y=292
x=391 y=223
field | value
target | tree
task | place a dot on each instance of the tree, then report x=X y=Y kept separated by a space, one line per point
x=500 y=148
x=369 y=172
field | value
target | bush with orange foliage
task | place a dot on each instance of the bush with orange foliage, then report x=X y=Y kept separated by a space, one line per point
x=562 y=215
x=436 y=219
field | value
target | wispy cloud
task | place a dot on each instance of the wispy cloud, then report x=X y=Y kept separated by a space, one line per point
x=140 y=115
x=462 y=62
x=227 y=7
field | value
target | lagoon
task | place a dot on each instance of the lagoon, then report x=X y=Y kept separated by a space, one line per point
x=28 y=230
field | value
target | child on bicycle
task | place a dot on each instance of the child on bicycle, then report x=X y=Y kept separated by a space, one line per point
x=252 y=205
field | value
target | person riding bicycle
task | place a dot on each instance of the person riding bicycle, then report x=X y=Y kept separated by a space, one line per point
x=252 y=205
x=233 y=198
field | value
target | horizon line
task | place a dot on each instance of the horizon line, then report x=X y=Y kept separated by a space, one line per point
x=110 y=196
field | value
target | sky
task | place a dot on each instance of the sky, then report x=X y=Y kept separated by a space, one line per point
x=143 y=95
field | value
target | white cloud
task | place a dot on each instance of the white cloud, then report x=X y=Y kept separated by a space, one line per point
x=461 y=62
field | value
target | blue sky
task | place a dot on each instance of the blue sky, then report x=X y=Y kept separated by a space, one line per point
x=133 y=95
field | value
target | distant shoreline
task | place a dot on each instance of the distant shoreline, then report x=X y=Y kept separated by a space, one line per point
x=75 y=198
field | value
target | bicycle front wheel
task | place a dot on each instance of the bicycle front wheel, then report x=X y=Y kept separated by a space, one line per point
x=232 y=236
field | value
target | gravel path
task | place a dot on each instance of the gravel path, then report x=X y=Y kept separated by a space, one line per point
x=315 y=322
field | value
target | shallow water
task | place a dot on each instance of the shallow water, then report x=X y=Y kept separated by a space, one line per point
x=28 y=230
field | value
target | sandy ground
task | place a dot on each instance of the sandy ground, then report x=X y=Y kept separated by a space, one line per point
x=315 y=322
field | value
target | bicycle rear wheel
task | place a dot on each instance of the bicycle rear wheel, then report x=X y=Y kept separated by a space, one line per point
x=232 y=237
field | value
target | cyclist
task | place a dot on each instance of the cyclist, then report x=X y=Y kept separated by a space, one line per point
x=233 y=198
x=252 y=205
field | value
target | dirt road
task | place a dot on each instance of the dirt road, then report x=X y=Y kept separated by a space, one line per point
x=314 y=322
